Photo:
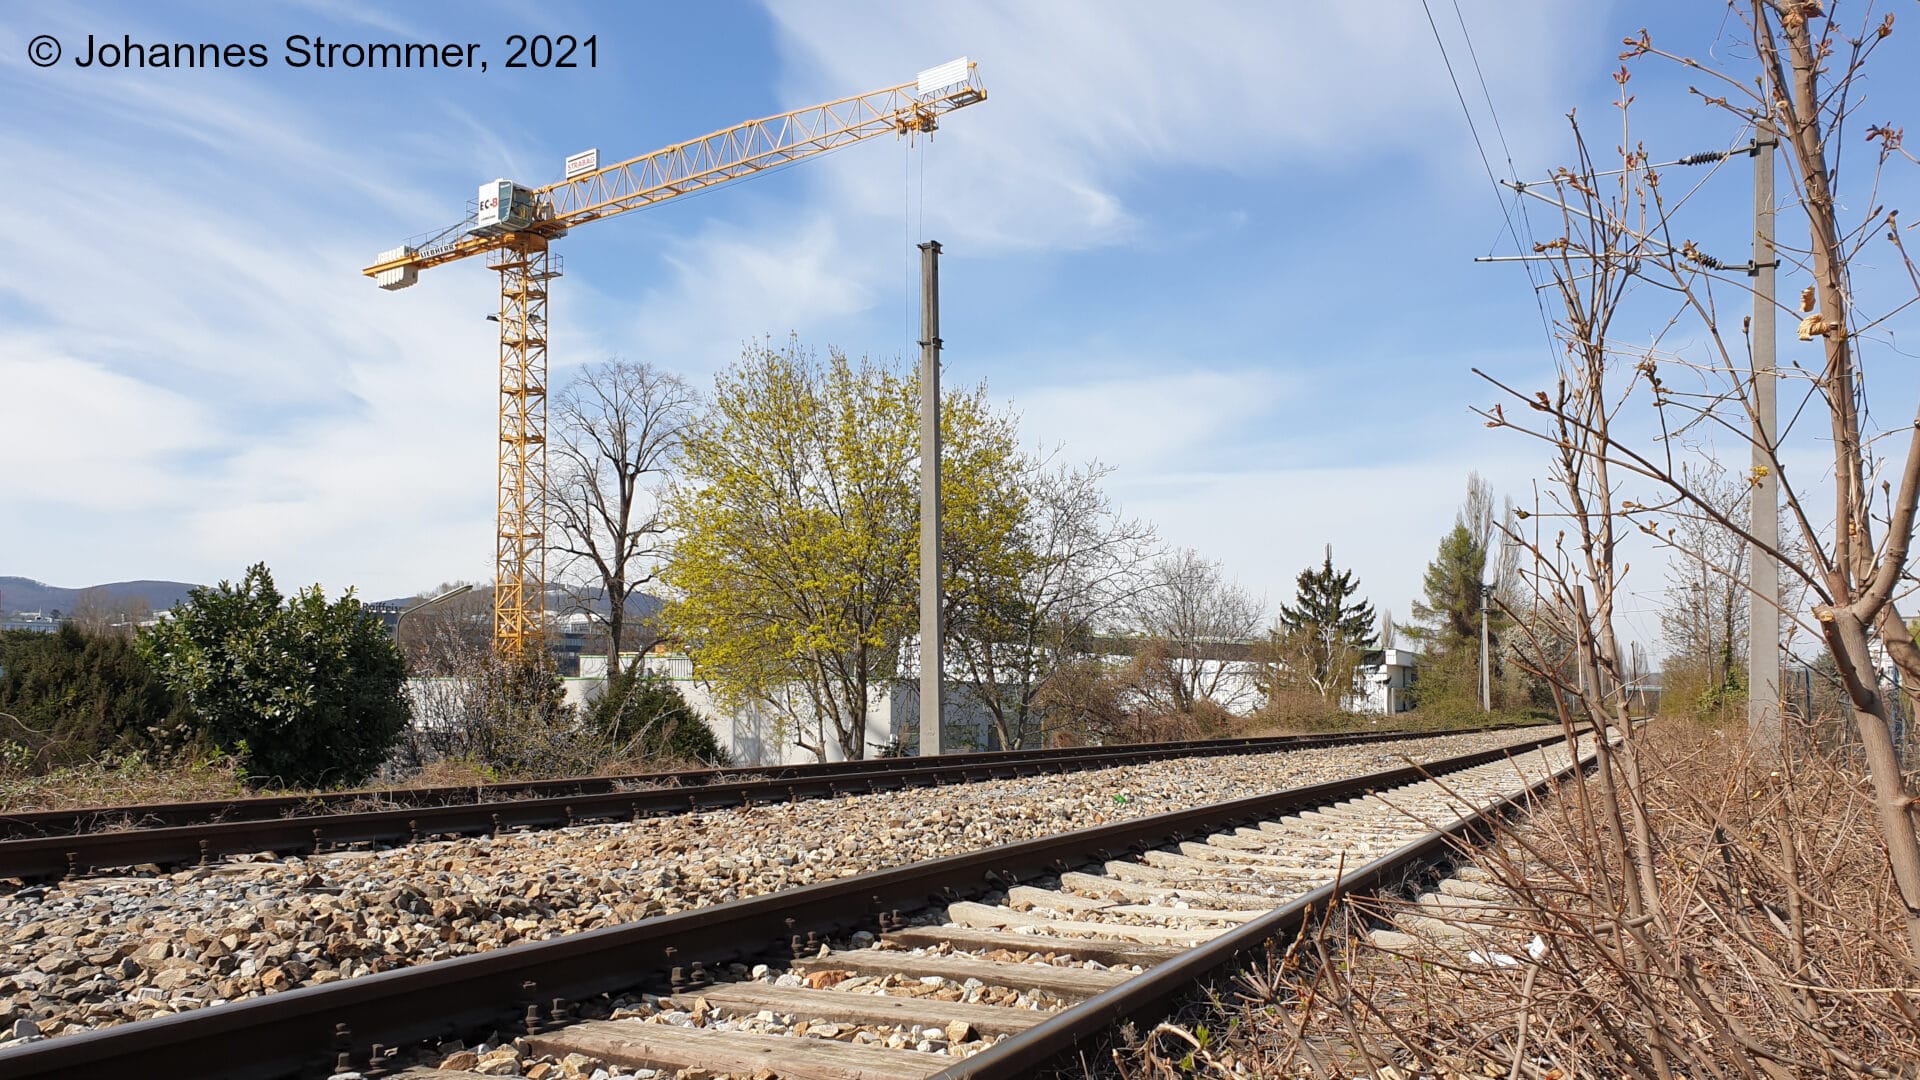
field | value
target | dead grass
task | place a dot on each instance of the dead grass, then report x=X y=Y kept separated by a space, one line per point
x=126 y=781
x=1770 y=946
x=137 y=781
x=447 y=772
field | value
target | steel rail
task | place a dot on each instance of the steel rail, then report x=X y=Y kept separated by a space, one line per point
x=41 y=823
x=302 y=1030
x=1160 y=990
x=36 y=858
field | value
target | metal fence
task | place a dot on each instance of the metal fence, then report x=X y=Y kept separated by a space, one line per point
x=1817 y=708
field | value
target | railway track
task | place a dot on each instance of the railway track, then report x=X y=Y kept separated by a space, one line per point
x=56 y=844
x=984 y=964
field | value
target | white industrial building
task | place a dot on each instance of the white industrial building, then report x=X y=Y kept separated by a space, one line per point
x=1385 y=680
x=759 y=733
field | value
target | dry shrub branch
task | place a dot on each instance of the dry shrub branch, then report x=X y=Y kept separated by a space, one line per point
x=1772 y=949
x=1719 y=906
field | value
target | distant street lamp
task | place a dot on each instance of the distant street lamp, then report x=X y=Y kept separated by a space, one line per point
x=429 y=602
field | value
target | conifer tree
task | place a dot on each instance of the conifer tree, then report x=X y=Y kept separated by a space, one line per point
x=1447 y=623
x=1326 y=629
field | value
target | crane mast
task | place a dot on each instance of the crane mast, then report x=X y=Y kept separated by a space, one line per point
x=514 y=225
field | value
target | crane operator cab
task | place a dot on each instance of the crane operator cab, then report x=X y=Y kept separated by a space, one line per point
x=505 y=207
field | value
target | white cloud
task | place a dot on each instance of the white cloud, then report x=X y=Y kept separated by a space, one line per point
x=1204 y=454
x=732 y=282
x=1384 y=521
x=1207 y=456
x=78 y=434
x=1267 y=524
x=230 y=386
x=1090 y=105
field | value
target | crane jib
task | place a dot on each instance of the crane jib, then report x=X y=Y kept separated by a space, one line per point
x=696 y=164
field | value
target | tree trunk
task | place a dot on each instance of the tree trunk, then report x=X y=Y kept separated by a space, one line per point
x=854 y=734
x=616 y=621
x=1893 y=804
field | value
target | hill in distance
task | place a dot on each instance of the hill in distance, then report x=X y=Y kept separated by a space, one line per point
x=559 y=599
x=26 y=594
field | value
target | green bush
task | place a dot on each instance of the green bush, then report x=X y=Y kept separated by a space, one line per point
x=1703 y=692
x=1448 y=687
x=311 y=694
x=508 y=716
x=643 y=715
x=73 y=696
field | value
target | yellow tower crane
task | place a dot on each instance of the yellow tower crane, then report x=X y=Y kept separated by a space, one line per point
x=513 y=225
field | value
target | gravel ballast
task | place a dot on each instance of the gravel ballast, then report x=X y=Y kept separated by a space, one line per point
x=96 y=951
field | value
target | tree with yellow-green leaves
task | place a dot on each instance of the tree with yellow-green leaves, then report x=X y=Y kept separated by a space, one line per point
x=794 y=575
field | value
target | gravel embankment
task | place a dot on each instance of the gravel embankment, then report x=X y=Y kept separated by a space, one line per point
x=93 y=952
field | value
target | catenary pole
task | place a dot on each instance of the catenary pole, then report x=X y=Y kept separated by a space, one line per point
x=932 y=640
x=1765 y=727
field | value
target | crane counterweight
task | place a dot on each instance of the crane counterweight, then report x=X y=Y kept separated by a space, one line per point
x=396 y=269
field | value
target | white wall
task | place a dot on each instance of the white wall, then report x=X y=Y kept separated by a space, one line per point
x=754 y=734
x=759 y=734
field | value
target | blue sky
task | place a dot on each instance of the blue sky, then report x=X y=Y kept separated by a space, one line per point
x=1223 y=247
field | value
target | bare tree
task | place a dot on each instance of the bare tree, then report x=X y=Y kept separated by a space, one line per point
x=1856 y=578
x=615 y=430
x=92 y=611
x=1704 y=622
x=1200 y=626
x=97 y=612
x=490 y=712
x=1477 y=511
x=1620 y=233
x=1076 y=565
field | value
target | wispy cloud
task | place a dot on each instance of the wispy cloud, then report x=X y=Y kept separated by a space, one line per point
x=1085 y=97
x=1270 y=522
x=1150 y=425
x=1091 y=106
x=730 y=281
x=197 y=358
